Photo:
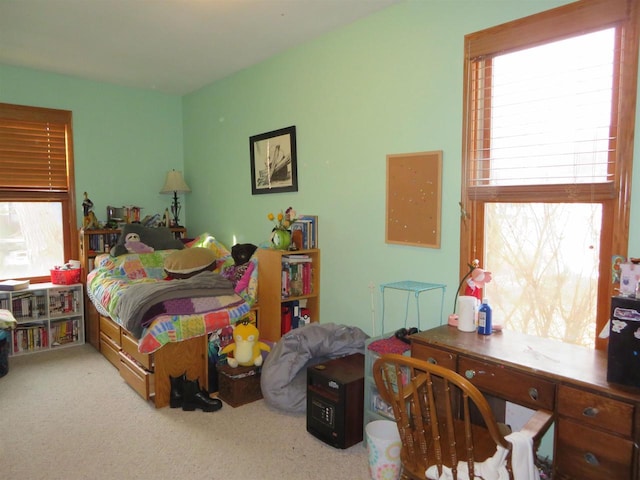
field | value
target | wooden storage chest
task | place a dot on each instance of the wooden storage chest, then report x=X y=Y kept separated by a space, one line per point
x=240 y=385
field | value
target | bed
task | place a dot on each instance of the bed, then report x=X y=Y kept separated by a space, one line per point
x=153 y=325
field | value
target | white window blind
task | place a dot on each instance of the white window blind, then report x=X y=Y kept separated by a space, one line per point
x=543 y=106
x=549 y=115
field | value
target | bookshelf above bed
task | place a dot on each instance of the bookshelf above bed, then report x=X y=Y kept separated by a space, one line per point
x=94 y=242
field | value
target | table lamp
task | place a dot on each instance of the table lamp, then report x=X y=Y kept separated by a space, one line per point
x=175 y=184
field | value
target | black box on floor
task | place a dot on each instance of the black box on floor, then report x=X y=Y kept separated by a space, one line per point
x=623 y=364
x=335 y=400
x=240 y=385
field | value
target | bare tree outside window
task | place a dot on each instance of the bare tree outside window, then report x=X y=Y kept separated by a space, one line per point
x=544 y=260
x=31 y=238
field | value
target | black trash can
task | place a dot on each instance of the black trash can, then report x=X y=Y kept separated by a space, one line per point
x=4 y=353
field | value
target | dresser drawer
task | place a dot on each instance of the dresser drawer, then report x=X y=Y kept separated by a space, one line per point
x=110 y=329
x=587 y=454
x=591 y=409
x=130 y=347
x=434 y=355
x=517 y=387
x=110 y=350
x=138 y=378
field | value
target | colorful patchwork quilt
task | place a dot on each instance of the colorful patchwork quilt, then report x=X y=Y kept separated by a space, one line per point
x=124 y=288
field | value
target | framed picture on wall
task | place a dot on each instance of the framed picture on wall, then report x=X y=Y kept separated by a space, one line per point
x=274 y=164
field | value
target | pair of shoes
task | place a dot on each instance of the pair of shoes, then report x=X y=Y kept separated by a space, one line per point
x=189 y=395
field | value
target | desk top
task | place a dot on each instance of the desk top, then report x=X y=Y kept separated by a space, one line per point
x=552 y=359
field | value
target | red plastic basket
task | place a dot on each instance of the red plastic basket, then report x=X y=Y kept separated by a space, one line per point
x=65 y=277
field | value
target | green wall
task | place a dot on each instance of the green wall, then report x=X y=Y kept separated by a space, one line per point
x=390 y=83
x=125 y=140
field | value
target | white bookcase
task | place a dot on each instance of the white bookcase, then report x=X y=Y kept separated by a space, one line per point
x=49 y=316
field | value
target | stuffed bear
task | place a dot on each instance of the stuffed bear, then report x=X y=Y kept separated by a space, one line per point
x=241 y=254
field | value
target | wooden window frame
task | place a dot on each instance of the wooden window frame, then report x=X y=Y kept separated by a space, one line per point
x=65 y=194
x=552 y=25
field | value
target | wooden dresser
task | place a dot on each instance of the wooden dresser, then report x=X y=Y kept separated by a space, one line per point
x=597 y=424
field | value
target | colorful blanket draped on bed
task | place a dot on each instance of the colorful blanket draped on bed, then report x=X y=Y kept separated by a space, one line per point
x=133 y=291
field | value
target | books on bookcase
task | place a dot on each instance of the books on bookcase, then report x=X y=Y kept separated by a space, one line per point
x=293 y=315
x=297 y=275
x=304 y=232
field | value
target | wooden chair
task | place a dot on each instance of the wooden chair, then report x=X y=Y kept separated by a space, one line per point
x=443 y=418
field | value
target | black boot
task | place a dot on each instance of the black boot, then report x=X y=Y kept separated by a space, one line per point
x=177 y=390
x=196 y=397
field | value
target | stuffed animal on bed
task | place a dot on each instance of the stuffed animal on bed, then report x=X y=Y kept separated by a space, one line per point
x=133 y=244
x=247 y=349
x=241 y=254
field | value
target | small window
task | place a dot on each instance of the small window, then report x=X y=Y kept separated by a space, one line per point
x=37 y=213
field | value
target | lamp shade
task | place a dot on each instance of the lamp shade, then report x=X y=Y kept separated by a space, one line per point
x=175 y=183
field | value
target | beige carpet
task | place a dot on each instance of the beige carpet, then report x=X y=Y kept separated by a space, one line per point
x=67 y=414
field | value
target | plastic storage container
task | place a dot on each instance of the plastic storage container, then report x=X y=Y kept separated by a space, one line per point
x=4 y=352
x=65 y=277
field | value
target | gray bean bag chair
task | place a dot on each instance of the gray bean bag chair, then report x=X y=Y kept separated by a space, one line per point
x=284 y=373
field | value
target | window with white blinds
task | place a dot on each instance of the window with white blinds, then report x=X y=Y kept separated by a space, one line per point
x=547 y=115
x=549 y=119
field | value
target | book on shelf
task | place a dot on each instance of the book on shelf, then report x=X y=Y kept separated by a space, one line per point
x=297 y=275
x=304 y=232
x=296 y=258
x=286 y=314
x=292 y=316
x=12 y=285
x=102 y=242
x=30 y=338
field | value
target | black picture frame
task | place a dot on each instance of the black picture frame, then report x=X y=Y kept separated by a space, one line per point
x=274 y=162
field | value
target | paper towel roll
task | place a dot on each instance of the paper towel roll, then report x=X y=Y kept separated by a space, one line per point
x=467 y=311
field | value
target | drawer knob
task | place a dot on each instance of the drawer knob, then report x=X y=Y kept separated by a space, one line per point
x=590 y=412
x=432 y=361
x=591 y=459
x=533 y=393
x=470 y=374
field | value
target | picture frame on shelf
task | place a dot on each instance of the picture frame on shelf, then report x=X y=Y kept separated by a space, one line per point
x=274 y=162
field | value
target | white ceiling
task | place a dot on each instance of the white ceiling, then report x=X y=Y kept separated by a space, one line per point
x=172 y=46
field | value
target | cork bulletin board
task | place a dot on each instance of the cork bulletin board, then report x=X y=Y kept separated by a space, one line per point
x=414 y=199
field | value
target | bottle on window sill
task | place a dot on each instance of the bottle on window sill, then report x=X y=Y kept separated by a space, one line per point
x=484 y=318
